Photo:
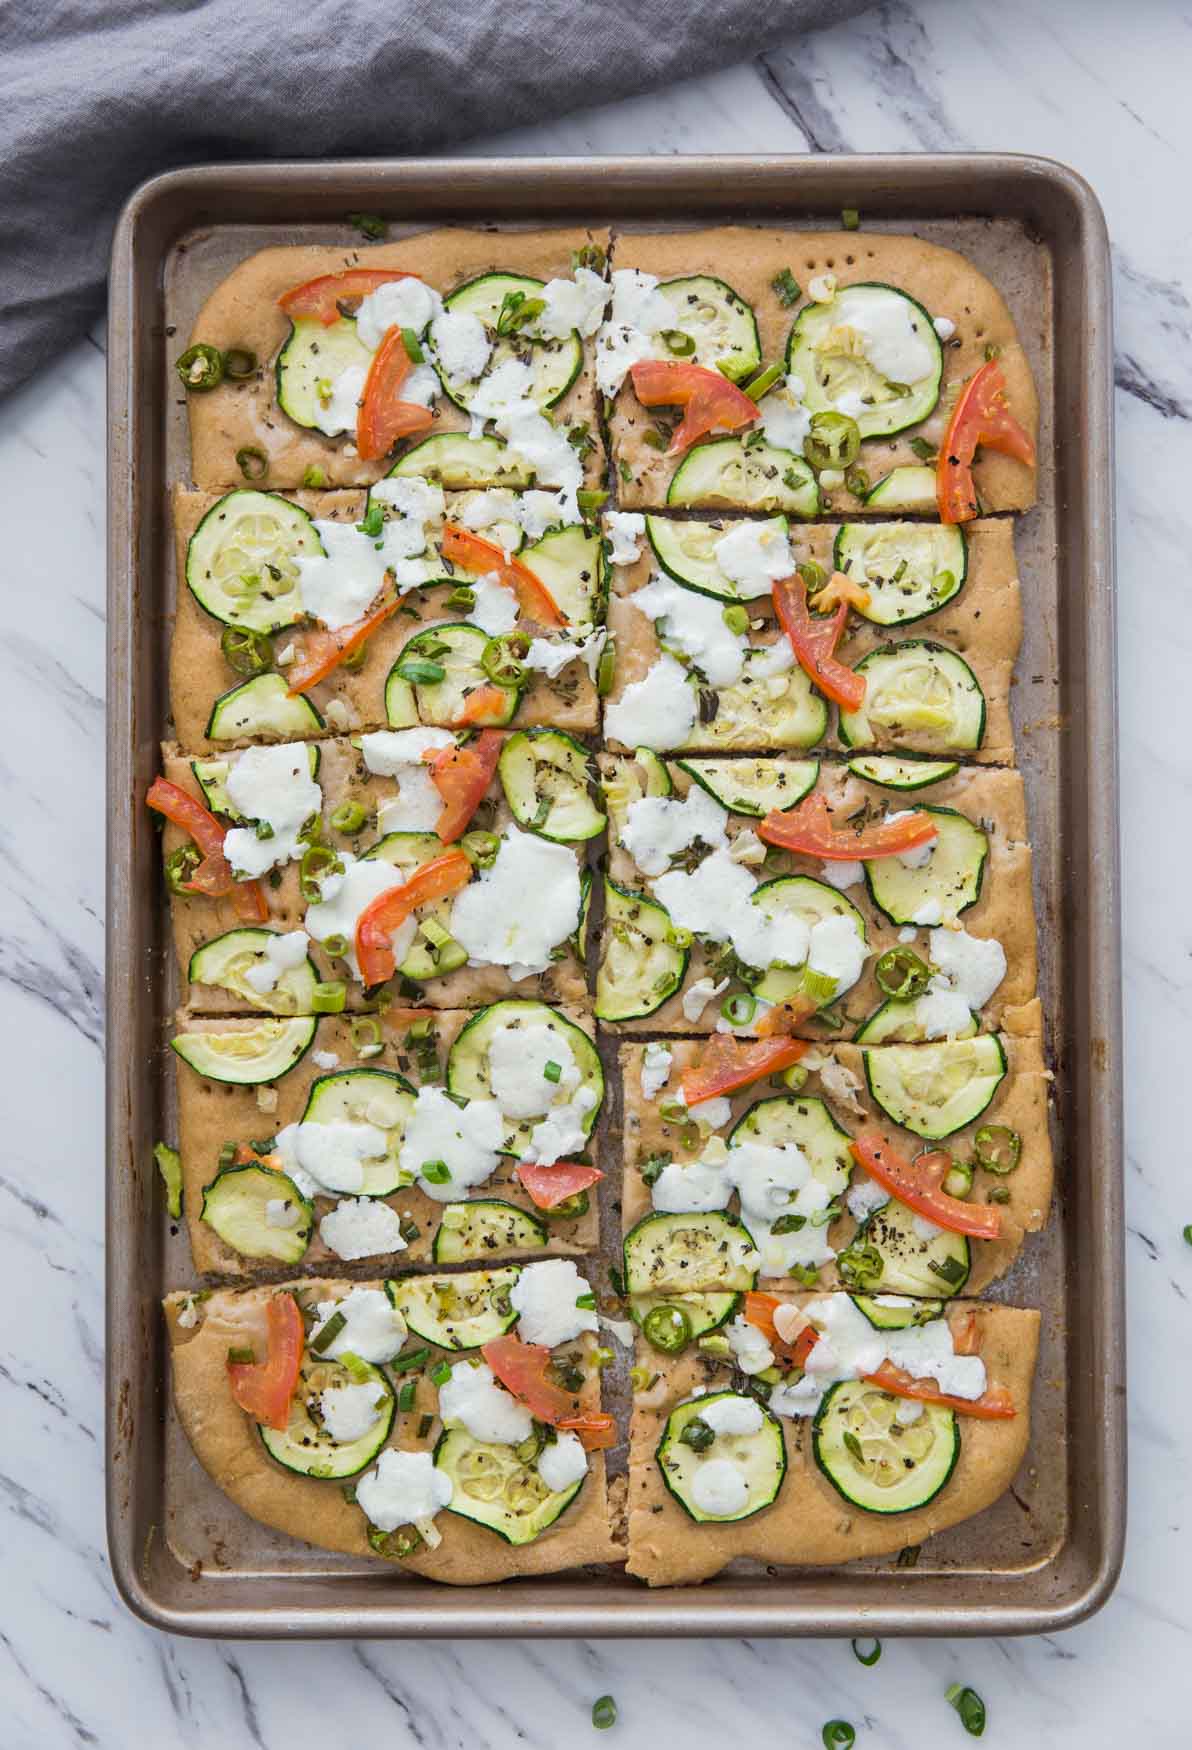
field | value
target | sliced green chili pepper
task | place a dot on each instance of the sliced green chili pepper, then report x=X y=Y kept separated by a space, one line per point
x=324 y=1338
x=604 y=1713
x=860 y=1266
x=794 y=1077
x=502 y=659
x=958 y=1180
x=997 y=1148
x=787 y=287
x=813 y=575
x=480 y=848
x=736 y=618
x=590 y=499
x=348 y=817
x=697 y=1435
x=901 y=974
x=179 y=867
x=463 y=598
x=834 y=441
x=969 y=1706
x=857 y=481
x=318 y=861
x=420 y=673
x=329 y=998
x=739 y=1010
x=201 y=368
x=682 y=345
x=239 y=362
x=314 y=477
x=246 y=651
x=252 y=463
x=668 y=1328
x=366 y=1034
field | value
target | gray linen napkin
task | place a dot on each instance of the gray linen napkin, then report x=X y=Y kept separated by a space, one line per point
x=96 y=95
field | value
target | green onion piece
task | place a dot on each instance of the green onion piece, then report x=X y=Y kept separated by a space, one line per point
x=682 y=345
x=819 y=986
x=318 y=861
x=791 y=1224
x=581 y=440
x=958 y=1180
x=602 y=1357
x=850 y=218
x=586 y=1301
x=420 y=673
x=625 y=471
x=227 y=1154
x=436 y=1172
x=867 y=1652
x=606 y=669
x=335 y=946
x=590 y=499
x=241 y=1357
x=481 y=849
x=969 y=1706
x=406 y=1394
x=641 y=1379
x=314 y=477
x=366 y=1033
x=839 y=1735
x=407 y=1362
x=424 y=1426
x=926 y=452
x=657 y=440
x=764 y=382
x=329 y=998
x=860 y=1266
x=252 y=463
x=853 y=1445
x=440 y=1373
x=992 y=352
x=324 y=1338
x=909 y=1557
x=373 y=523
x=348 y=817
x=998 y=1194
x=239 y=362
x=997 y=1148
x=950 y=1270
x=739 y=1010
x=169 y=1165
x=857 y=481
x=902 y=974
x=834 y=441
x=673 y=1112
x=697 y=1435
x=413 y=348
x=245 y=651
x=179 y=867
x=736 y=618
x=591 y=256
x=369 y=225
x=502 y=659
x=1188 y=1234
x=462 y=598
x=787 y=287
x=604 y=1713
x=653 y=1168
x=201 y=368
x=552 y=1071
x=794 y=1077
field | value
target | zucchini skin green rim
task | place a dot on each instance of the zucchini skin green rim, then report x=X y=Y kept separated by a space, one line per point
x=518 y=1543
x=543 y=732
x=688 y=765
x=387 y=1414
x=892 y=650
x=661 y=1215
x=729 y=438
x=880 y=286
x=641 y=1014
x=735 y=297
x=940 y=1135
x=769 y=1419
x=594 y=1074
x=235 y=492
x=527 y=279
x=241 y=930
x=911 y=619
x=878 y=1512
x=177 y=1043
x=319 y=721
x=928 y=808
x=526 y=1215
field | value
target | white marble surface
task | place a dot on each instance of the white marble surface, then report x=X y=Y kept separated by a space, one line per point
x=1099 y=85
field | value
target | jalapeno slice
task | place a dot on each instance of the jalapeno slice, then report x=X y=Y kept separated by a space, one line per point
x=502 y=659
x=834 y=441
x=246 y=651
x=997 y=1148
x=201 y=368
x=239 y=362
x=570 y=1209
x=318 y=861
x=252 y=463
x=606 y=671
x=697 y=1435
x=902 y=974
x=180 y=866
x=668 y=1328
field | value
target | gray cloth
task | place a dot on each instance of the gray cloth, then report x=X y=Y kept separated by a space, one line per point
x=96 y=95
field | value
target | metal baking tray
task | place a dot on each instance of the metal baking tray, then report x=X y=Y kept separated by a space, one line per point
x=1048 y=1554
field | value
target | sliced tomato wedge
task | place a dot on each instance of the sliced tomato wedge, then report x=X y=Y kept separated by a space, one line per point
x=383 y=416
x=484 y=558
x=993 y=1405
x=550 y=1186
x=213 y=877
x=264 y=1388
x=481 y=703
x=964 y=1334
x=323 y=651
x=438 y=879
x=808 y=829
x=461 y=775
x=920 y=1185
x=521 y=1369
x=728 y=1063
x=320 y=299
x=759 y=1312
x=981 y=418
x=710 y=402
x=814 y=639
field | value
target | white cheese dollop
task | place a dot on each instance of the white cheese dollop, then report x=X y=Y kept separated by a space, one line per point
x=373 y=1328
x=750 y=1349
x=656 y=1068
x=404 y=1489
x=361 y=1227
x=282 y=953
x=773 y=1182
x=562 y=1461
x=716 y=901
x=696 y=625
x=272 y=785
x=972 y=967
x=657 y=828
x=718 y=1487
x=349 y=1411
x=464 y=1139
x=753 y=555
x=462 y=346
x=563 y=1132
x=733 y=1415
x=520 y=908
x=639 y=312
x=842 y=876
x=697 y=997
x=849 y=1348
x=693 y=1188
x=338 y=413
x=624 y=529
x=517 y=1064
x=573 y=304
x=404 y=303
x=866 y=1196
x=783 y=418
x=329 y=1157
x=837 y=951
x=339 y=584
x=495 y=609
x=346 y=896
x=550 y=656
x=544 y=1298
x=397 y=753
x=472 y=1399
x=657 y=712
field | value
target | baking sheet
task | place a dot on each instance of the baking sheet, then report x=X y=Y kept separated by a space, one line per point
x=1049 y=1551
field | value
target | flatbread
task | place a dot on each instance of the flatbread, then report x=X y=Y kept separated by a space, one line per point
x=343 y=776
x=749 y=257
x=213 y=1113
x=243 y=311
x=837 y=1076
x=810 y=1524
x=994 y=799
x=226 y=1444
x=348 y=698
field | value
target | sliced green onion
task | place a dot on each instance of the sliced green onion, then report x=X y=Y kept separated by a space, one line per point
x=552 y=1071
x=794 y=1077
x=336 y=946
x=408 y=1362
x=819 y=986
x=435 y=1172
x=420 y=673
x=368 y=225
x=867 y=1652
x=463 y=598
x=324 y=1337
x=570 y=1209
x=787 y=287
x=586 y=1301
x=502 y=659
x=949 y=1270
x=839 y=1735
x=590 y=499
x=348 y=817
x=668 y=1328
x=413 y=348
x=241 y=1357
x=764 y=382
x=655 y=439
x=697 y=1435
x=813 y=575
x=739 y=1010
x=641 y=1378
x=366 y=1034
x=604 y=1713
x=736 y=618
x=602 y=1357
x=606 y=669
x=789 y=1224
x=850 y=218
x=373 y=522
x=424 y=1426
x=997 y=1148
x=440 y=1373
x=969 y=1706
x=246 y=651
x=857 y=481
x=834 y=441
x=329 y=998
x=239 y=362
x=902 y=974
x=998 y=1194
x=926 y=452
x=201 y=368
x=314 y=477
x=481 y=849
x=682 y=345
x=653 y=1168
x=406 y=1394
x=860 y=1266
x=625 y=471
x=252 y=463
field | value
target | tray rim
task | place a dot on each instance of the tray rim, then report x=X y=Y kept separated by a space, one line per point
x=1059 y=201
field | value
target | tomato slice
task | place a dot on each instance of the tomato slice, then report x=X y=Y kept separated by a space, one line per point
x=808 y=829
x=383 y=416
x=482 y=703
x=461 y=775
x=437 y=879
x=550 y=1186
x=213 y=877
x=729 y=1063
x=710 y=401
x=759 y=1312
x=919 y=1184
x=521 y=1369
x=484 y=558
x=814 y=638
x=264 y=1388
x=993 y=1405
x=323 y=651
x=981 y=418
x=320 y=298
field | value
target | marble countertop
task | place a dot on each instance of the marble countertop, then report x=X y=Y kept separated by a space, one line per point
x=1103 y=88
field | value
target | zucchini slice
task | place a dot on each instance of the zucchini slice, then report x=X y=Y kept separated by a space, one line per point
x=876 y=1462
x=434 y=950
x=908 y=569
x=719 y=321
x=831 y=347
x=894 y=773
x=456 y=649
x=642 y=964
x=805 y=1121
x=212 y=778
x=759 y=710
x=690 y=1254
x=555 y=363
x=897 y=1023
x=236 y=1205
x=457 y=1312
x=495 y=1488
x=936 y=1089
x=909 y=489
x=759 y=1459
x=631 y=779
x=225 y=962
x=314 y=355
x=546 y=778
x=578 y=943
x=367 y=1096
x=952 y=875
x=896 y=1312
x=742 y=475
x=241 y=561
x=483 y=1228
x=753 y=787
x=455 y=461
x=262 y=706
x=255 y=1055
x=918 y=695
x=686 y=551
x=568 y=562
x=811 y=900
x=703 y=1312
x=467 y=1060
x=888 y=1255
x=304 y=1445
